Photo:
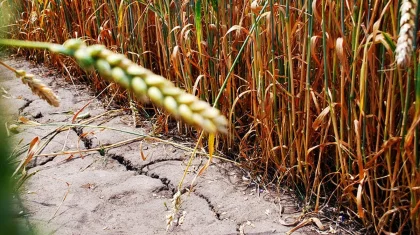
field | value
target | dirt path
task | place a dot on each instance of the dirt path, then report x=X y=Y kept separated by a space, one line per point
x=115 y=191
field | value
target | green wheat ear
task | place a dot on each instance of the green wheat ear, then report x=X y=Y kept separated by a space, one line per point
x=119 y=69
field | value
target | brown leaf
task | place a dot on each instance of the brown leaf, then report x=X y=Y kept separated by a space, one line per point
x=143 y=157
x=320 y=118
x=360 y=211
x=33 y=147
x=24 y=120
x=305 y=222
x=73 y=120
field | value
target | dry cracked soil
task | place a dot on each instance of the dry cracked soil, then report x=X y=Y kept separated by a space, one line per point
x=114 y=190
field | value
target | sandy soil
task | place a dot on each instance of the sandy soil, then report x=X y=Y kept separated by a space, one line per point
x=115 y=191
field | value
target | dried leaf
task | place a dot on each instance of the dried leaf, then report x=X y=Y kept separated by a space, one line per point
x=283 y=222
x=360 y=211
x=300 y=225
x=305 y=222
x=211 y=151
x=320 y=118
x=69 y=158
x=26 y=121
x=33 y=147
x=143 y=157
x=73 y=120
x=318 y=223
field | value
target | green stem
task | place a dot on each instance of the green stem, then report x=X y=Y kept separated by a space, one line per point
x=27 y=44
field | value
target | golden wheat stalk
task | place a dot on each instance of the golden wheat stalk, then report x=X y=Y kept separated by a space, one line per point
x=117 y=68
x=406 y=36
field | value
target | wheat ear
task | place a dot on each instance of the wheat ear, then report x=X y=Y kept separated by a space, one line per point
x=37 y=87
x=406 y=36
x=119 y=69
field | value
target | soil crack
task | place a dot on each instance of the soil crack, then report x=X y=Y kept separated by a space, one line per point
x=127 y=163
x=159 y=160
x=87 y=142
x=47 y=160
x=168 y=186
x=25 y=105
x=210 y=205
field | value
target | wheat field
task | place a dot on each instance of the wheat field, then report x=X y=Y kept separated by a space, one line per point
x=321 y=96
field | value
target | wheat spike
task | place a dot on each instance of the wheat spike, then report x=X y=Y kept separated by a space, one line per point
x=38 y=88
x=406 y=36
x=117 y=68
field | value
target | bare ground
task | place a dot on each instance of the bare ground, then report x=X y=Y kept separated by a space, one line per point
x=115 y=190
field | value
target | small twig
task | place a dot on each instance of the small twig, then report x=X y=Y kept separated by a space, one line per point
x=8 y=67
x=62 y=201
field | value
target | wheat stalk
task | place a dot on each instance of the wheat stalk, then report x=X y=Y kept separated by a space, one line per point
x=119 y=69
x=405 y=38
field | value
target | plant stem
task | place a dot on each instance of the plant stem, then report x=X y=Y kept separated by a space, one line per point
x=27 y=44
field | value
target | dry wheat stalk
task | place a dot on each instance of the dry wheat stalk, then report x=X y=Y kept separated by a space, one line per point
x=405 y=38
x=117 y=68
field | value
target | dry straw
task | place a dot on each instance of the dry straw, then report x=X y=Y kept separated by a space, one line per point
x=405 y=38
